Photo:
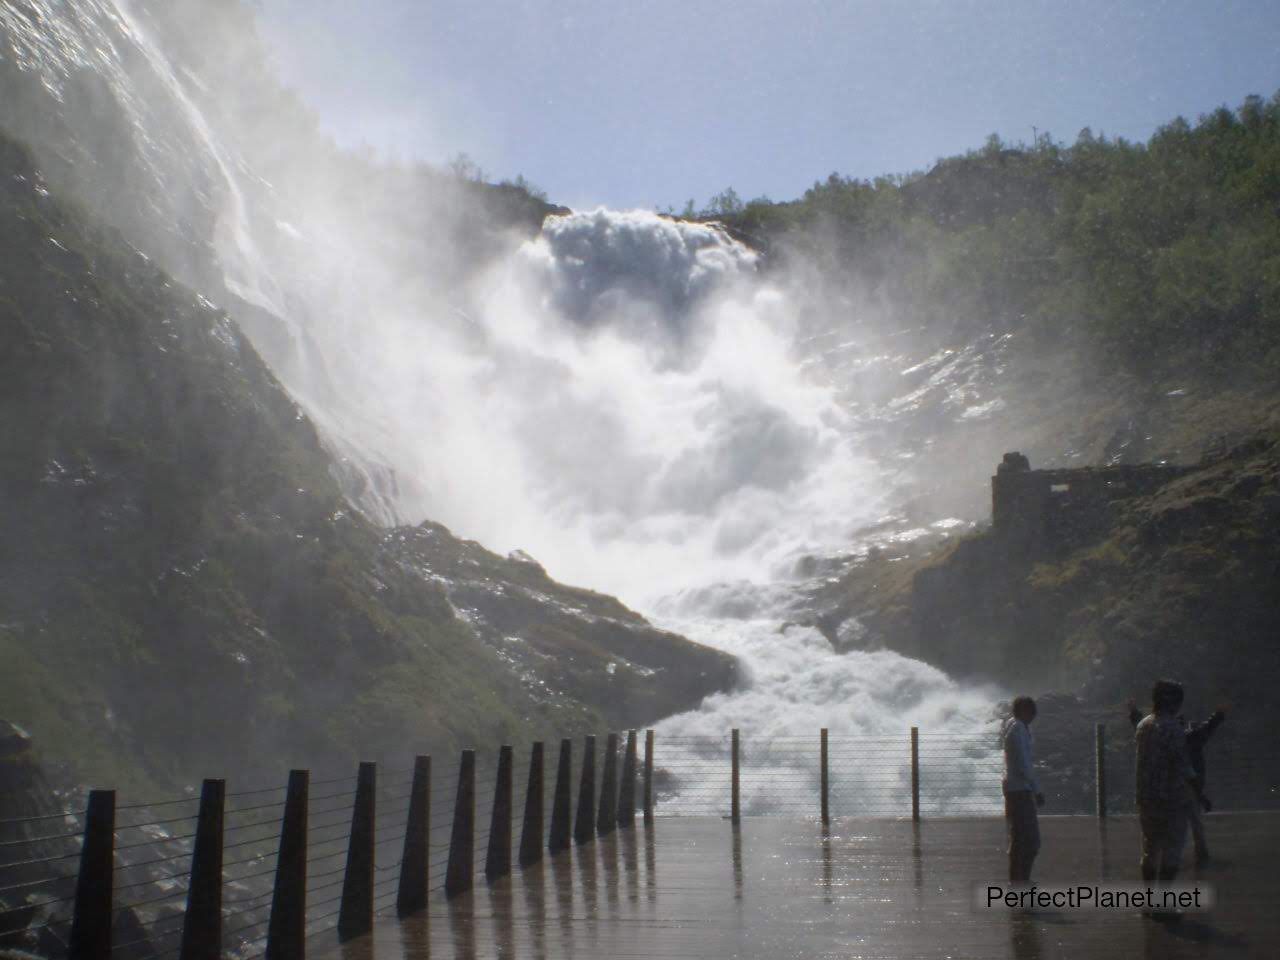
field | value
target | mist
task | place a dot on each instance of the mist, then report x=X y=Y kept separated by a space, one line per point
x=634 y=400
x=647 y=406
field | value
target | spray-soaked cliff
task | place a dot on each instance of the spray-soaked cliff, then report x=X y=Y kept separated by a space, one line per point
x=185 y=587
x=624 y=395
x=615 y=391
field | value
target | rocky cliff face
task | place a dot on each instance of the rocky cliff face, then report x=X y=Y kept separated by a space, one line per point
x=185 y=589
x=35 y=869
x=166 y=121
x=1183 y=581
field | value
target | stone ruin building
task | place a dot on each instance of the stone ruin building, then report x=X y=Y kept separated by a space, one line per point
x=1058 y=507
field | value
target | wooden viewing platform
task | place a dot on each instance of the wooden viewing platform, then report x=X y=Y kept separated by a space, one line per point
x=770 y=889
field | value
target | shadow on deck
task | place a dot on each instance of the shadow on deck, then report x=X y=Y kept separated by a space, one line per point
x=684 y=888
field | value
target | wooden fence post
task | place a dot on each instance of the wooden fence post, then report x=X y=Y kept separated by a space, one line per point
x=497 y=861
x=91 y=919
x=825 y=781
x=608 y=818
x=411 y=895
x=627 y=792
x=202 y=920
x=531 y=829
x=1100 y=759
x=460 y=873
x=735 y=803
x=915 y=774
x=287 y=928
x=584 y=824
x=648 y=776
x=562 y=803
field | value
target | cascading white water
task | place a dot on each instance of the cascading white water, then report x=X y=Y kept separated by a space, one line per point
x=868 y=701
x=644 y=382
x=622 y=396
x=674 y=450
x=235 y=241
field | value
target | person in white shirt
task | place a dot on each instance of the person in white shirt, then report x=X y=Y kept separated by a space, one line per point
x=1021 y=790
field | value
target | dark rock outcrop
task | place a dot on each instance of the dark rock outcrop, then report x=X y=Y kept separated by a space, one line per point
x=33 y=811
x=565 y=642
x=1161 y=578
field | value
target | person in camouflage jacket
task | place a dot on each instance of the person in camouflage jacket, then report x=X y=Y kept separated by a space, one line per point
x=1166 y=784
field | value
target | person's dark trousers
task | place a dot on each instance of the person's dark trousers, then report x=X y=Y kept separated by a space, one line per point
x=1196 y=820
x=1164 y=833
x=1024 y=833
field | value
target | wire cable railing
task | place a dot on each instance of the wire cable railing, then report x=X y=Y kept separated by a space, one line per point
x=360 y=830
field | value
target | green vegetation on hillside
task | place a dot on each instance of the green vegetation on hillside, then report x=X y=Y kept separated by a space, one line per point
x=1160 y=258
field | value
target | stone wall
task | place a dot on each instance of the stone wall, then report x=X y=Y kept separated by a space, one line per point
x=1058 y=506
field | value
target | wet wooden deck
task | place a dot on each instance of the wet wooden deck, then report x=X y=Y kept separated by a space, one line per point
x=775 y=890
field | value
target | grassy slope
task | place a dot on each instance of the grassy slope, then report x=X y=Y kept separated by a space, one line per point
x=184 y=591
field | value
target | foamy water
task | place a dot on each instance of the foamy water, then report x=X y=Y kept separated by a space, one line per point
x=795 y=686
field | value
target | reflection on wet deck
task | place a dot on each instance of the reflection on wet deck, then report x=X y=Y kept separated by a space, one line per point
x=867 y=889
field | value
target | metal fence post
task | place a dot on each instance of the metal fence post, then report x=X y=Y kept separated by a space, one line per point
x=91 y=919
x=735 y=804
x=287 y=928
x=562 y=802
x=627 y=792
x=202 y=920
x=355 y=915
x=1100 y=759
x=531 y=829
x=608 y=818
x=411 y=895
x=648 y=776
x=825 y=781
x=497 y=861
x=460 y=872
x=584 y=824
x=915 y=773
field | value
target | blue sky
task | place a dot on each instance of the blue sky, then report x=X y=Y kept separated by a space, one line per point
x=652 y=102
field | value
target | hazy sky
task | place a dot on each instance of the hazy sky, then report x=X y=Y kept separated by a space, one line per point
x=651 y=102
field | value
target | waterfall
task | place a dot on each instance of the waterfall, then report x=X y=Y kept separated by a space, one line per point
x=625 y=396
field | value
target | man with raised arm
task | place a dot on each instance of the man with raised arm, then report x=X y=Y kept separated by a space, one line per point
x=1021 y=790
x=1166 y=784
x=1198 y=735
